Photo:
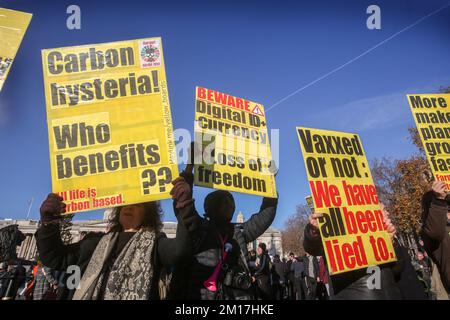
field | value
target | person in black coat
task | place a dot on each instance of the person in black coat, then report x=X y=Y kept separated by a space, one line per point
x=290 y=278
x=405 y=275
x=278 y=278
x=262 y=273
x=125 y=262
x=210 y=274
x=436 y=229
x=311 y=275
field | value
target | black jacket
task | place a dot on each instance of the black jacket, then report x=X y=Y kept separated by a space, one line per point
x=263 y=268
x=436 y=234
x=58 y=256
x=406 y=277
x=188 y=279
x=279 y=271
x=315 y=266
x=206 y=249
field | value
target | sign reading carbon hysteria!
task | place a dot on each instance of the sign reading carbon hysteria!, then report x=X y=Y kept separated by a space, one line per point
x=431 y=113
x=13 y=25
x=235 y=144
x=109 y=124
x=353 y=232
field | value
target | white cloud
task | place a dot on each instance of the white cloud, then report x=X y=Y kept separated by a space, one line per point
x=372 y=113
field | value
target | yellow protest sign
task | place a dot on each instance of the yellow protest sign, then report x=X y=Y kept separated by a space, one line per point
x=353 y=232
x=431 y=113
x=13 y=25
x=109 y=123
x=235 y=152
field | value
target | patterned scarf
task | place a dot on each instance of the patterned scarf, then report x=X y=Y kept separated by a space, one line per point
x=130 y=276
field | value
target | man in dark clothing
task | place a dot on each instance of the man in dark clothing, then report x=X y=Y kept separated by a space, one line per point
x=436 y=229
x=405 y=276
x=209 y=245
x=278 y=278
x=298 y=271
x=262 y=273
x=290 y=277
x=210 y=274
x=311 y=275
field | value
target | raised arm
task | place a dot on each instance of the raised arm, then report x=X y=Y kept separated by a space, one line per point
x=435 y=212
x=172 y=251
x=52 y=251
x=261 y=221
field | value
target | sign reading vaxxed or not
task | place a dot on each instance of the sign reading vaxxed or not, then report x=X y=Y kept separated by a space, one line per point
x=235 y=149
x=109 y=124
x=353 y=231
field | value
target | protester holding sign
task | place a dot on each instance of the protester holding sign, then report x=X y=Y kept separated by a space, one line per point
x=436 y=229
x=218 y=268
x=351 y=225
x=133 y=248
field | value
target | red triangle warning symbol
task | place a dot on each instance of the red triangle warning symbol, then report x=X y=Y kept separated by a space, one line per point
x=257 y=110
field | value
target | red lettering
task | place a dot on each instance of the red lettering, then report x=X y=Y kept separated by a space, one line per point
x=348 y=254
x=350 y=221
x=374 y=248
x=210 y=95
x=331 y=260
x=201 y=93
x=220 y=97
x=325 y=195
x=247 y=105
x=359 y=195
x=361 y=220
x=240 y=103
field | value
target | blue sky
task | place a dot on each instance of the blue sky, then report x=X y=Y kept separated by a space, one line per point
x=260 y=50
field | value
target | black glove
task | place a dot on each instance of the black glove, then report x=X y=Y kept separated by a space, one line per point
x=51 y=208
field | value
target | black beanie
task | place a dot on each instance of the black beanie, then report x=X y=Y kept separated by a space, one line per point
x=214 y=200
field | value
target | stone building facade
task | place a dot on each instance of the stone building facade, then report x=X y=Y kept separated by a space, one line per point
x=28 y=250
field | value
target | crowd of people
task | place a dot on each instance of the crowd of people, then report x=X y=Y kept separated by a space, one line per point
x=209 y=257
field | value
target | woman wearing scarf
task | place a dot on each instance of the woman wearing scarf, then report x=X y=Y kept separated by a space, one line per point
x=125 y=262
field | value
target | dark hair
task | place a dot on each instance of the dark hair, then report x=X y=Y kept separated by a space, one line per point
x=262 y=245
x=291 y=254
x=152 y=218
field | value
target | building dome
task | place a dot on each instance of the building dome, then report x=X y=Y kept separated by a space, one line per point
x=240 y=217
